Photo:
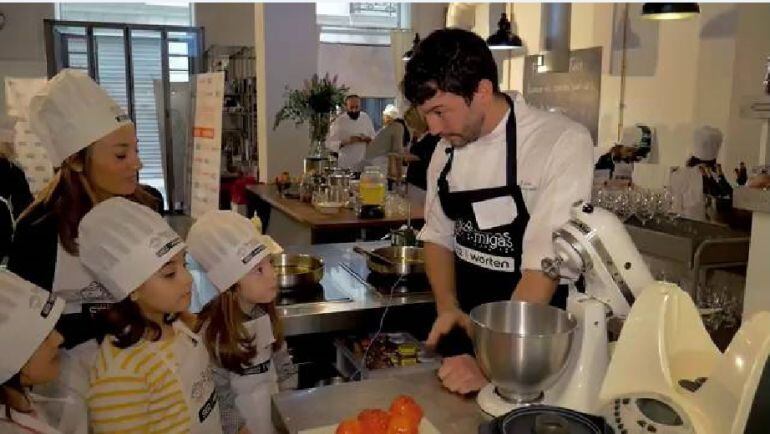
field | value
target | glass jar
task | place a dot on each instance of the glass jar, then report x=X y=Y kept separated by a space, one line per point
x=372 y=186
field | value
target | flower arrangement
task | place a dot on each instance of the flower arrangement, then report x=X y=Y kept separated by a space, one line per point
x=316 y=102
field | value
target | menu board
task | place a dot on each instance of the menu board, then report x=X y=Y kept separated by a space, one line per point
x=575 y=93
x=207 y=143
x=30 y=152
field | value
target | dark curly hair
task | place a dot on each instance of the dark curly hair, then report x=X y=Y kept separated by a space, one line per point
x=126 y=324
x=448 y=60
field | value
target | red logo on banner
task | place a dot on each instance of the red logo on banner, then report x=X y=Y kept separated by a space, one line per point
x=206 y=133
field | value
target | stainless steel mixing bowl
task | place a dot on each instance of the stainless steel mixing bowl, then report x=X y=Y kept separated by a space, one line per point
x=522 y=347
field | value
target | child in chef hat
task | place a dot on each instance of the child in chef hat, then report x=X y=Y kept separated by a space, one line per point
x=240 y=325
x=27 y=318
x=152 y=372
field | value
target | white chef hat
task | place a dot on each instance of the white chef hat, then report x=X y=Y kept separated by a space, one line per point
x=71 y=112
x=227 y=245
x=632 y=137
x=27 y=316
x=707 y=141
x=390 y=110
x=123 y=243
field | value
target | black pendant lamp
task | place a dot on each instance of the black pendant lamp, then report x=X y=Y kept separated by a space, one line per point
x=504 y=39
x=410 y=52
x=669 y=11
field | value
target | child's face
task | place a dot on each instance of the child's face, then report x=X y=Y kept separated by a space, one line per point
x=43 y=366
x=259 y=285
x=168 y=290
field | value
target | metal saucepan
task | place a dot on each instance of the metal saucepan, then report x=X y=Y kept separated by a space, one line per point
x=297 y=270
x=402 y=260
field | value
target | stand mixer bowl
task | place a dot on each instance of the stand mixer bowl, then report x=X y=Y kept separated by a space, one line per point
x=522 y=347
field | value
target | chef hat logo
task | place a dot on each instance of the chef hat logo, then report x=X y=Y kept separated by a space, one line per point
x=38 y=301
x=159 y=239
x=246 y=247
x=253 y=253
x=95 y=291
x=168 y=246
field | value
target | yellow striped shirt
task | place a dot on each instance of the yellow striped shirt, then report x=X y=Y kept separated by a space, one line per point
x=134 y=391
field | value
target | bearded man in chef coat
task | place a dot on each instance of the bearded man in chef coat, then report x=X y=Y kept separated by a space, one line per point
x=350 y=133
x=501 y=180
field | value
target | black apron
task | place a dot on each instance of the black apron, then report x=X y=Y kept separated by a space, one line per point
x=499 y=248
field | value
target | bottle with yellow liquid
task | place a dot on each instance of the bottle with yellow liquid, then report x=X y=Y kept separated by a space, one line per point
x=372 y=188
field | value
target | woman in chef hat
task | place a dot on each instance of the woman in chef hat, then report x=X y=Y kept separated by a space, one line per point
x=93 y=144
x=701 y=185
x=27 y=318
x=392 y=138
x=240 y=325
x=152 y=373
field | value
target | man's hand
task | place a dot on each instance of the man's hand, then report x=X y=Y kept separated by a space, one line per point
x=462 y=374
x=364 y=138
x=444 y=323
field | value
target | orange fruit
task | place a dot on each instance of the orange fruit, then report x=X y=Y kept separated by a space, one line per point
x=374 y=421
x=406 y=406
x=401 y=424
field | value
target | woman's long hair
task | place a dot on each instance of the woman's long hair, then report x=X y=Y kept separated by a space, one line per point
x=70 y=197
x=13 y=383
x=126 y=324
x=227 y=340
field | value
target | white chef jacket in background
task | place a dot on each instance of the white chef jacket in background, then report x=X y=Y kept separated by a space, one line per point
x=554 y=169
x=686 y=187
x=344 y=127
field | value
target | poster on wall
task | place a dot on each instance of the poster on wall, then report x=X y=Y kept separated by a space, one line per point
x=30 y=152
x=207 y=143
x=575 y=93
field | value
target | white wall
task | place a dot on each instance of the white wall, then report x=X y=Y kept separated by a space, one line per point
x=752 y=48
x=282 y=27
x=427 y=17
x=367 y=70
x=226 y=23
x=22 y=46
x=681 y=74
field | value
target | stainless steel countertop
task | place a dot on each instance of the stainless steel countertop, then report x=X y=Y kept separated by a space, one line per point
x=448 y=412
x=321 y=317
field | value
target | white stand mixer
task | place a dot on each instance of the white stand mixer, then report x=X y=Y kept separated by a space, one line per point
x=593 y=243
x=667 y=376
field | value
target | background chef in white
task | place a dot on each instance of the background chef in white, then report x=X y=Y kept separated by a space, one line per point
x=700 y=188
x=93 y=143
x=350 y=133
x=452 y=79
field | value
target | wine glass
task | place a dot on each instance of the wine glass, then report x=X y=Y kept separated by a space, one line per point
x=623 y=206
x=645 y=206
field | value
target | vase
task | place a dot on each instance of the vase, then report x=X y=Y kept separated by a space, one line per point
x=319 y=129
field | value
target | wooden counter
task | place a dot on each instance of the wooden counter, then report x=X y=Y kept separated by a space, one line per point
x=293 y=222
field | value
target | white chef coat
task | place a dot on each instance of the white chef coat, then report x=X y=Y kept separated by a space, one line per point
x=23 y=423
x=686 y=186
x=554 y=169
x=246 y=396
x=342 y=128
